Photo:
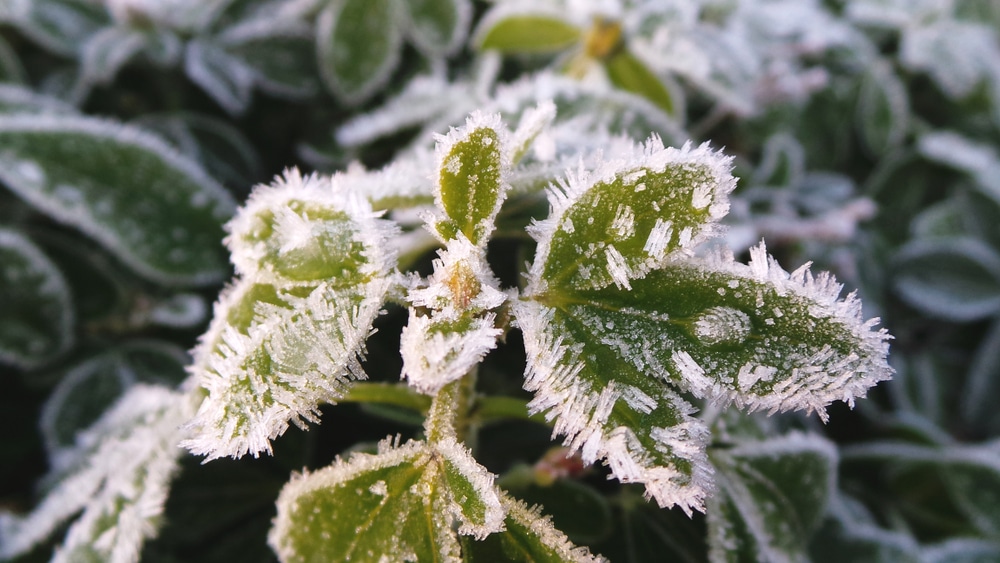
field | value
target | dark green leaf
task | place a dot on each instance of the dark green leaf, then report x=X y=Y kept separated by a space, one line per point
x=358 y=44
x=226 y=78
x=956 y=279
x=62 y=26
x=35 y=302
x=280 y=56
x=438 y=27
x=156 y=211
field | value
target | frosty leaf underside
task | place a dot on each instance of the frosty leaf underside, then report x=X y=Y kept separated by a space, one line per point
x=288 y=335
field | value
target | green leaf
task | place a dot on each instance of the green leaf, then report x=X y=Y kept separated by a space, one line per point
x=973 y=477
x=226 y=78
x=472 y=169
x=883 y=111
x=626 y=218
x=526 y=33
x=956 y=279
x=287 y=336
x=107 y=51
x=156 y=211
x=62 y=26
x=527 y=537
x=771 y=497
x=400 y=503
x=629 y=73
x=281 y=56
x=90 y=387
x=358 y=45
x=438 y=27
x=37 y=308
x=11 y=70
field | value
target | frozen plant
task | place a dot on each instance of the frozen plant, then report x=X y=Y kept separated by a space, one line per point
x=627 y=324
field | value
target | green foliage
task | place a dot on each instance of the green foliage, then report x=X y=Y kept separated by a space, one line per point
x=516 y=223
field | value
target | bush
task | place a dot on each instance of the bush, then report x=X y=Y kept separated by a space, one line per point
x=512 y=255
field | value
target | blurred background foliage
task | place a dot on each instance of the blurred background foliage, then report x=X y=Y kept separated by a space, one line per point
x=866 y=135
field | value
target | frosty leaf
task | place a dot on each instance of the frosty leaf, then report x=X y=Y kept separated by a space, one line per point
x=107 y=51
x=90 y=387
x=607 y=409
x=525 y=33
x=527 y=537
x=438 y=27
x=281 y=56
x=614 y=224
x=226 y=78
x=17 y=99
x=358 y=43
x=473 y=162
x=978 y=160
x=158 y=212
x=310 y=229
x=629 y=73
x=752 y=334
x=883 y=109
x=982 y=386
x=272 y=356
x=399 y=504
x=955 y=54
x=11 y=70
x=119 y=478
x=771 y=497
x=36 y=304
x=957 y=279
x=62 y=26
x=288 y=336
x=533 y=122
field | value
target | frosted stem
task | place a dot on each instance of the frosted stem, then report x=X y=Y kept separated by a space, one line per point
x=449 y=413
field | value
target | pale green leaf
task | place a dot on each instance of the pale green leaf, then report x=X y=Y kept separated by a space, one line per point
x=156 y=211
x=398 y=505
x=358 y=46
x=627 y=217
x=528 y=537
x=438 y=27
x=629 y=73
x=771 y=496
x=521 y=33
x=473 y=162
x=35 y=304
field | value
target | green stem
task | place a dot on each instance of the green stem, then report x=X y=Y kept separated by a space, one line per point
x=495 y=409
x=395 y=394
x=449 y=411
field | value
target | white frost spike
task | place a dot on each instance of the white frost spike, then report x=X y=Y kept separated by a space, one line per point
x=435 y=354
x=122 y=467
x=533 y=123
x=719 y=325
x=581 y=413
x=550 y=536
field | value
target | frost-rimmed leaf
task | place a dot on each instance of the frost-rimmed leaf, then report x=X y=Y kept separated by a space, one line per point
x=979 y=160
x=17 y=99
x=771 y=497
x=957 y=279
x=883 y=111
x=287 y=337
x=123 y=466
x=107 y=51
x=90 y=387
x=226 y=78
x=473 y=162
x=628 y=216
x=438 y=27
x=358 y=46
x=38 y=314
x=629 y=73
x=982 y=386
x=597 y=399
x=280 y=54
x=513 y=31
x=155 y=210
x=528 y=537
x=61 y=26
x=399 y=504
x=11 y=70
